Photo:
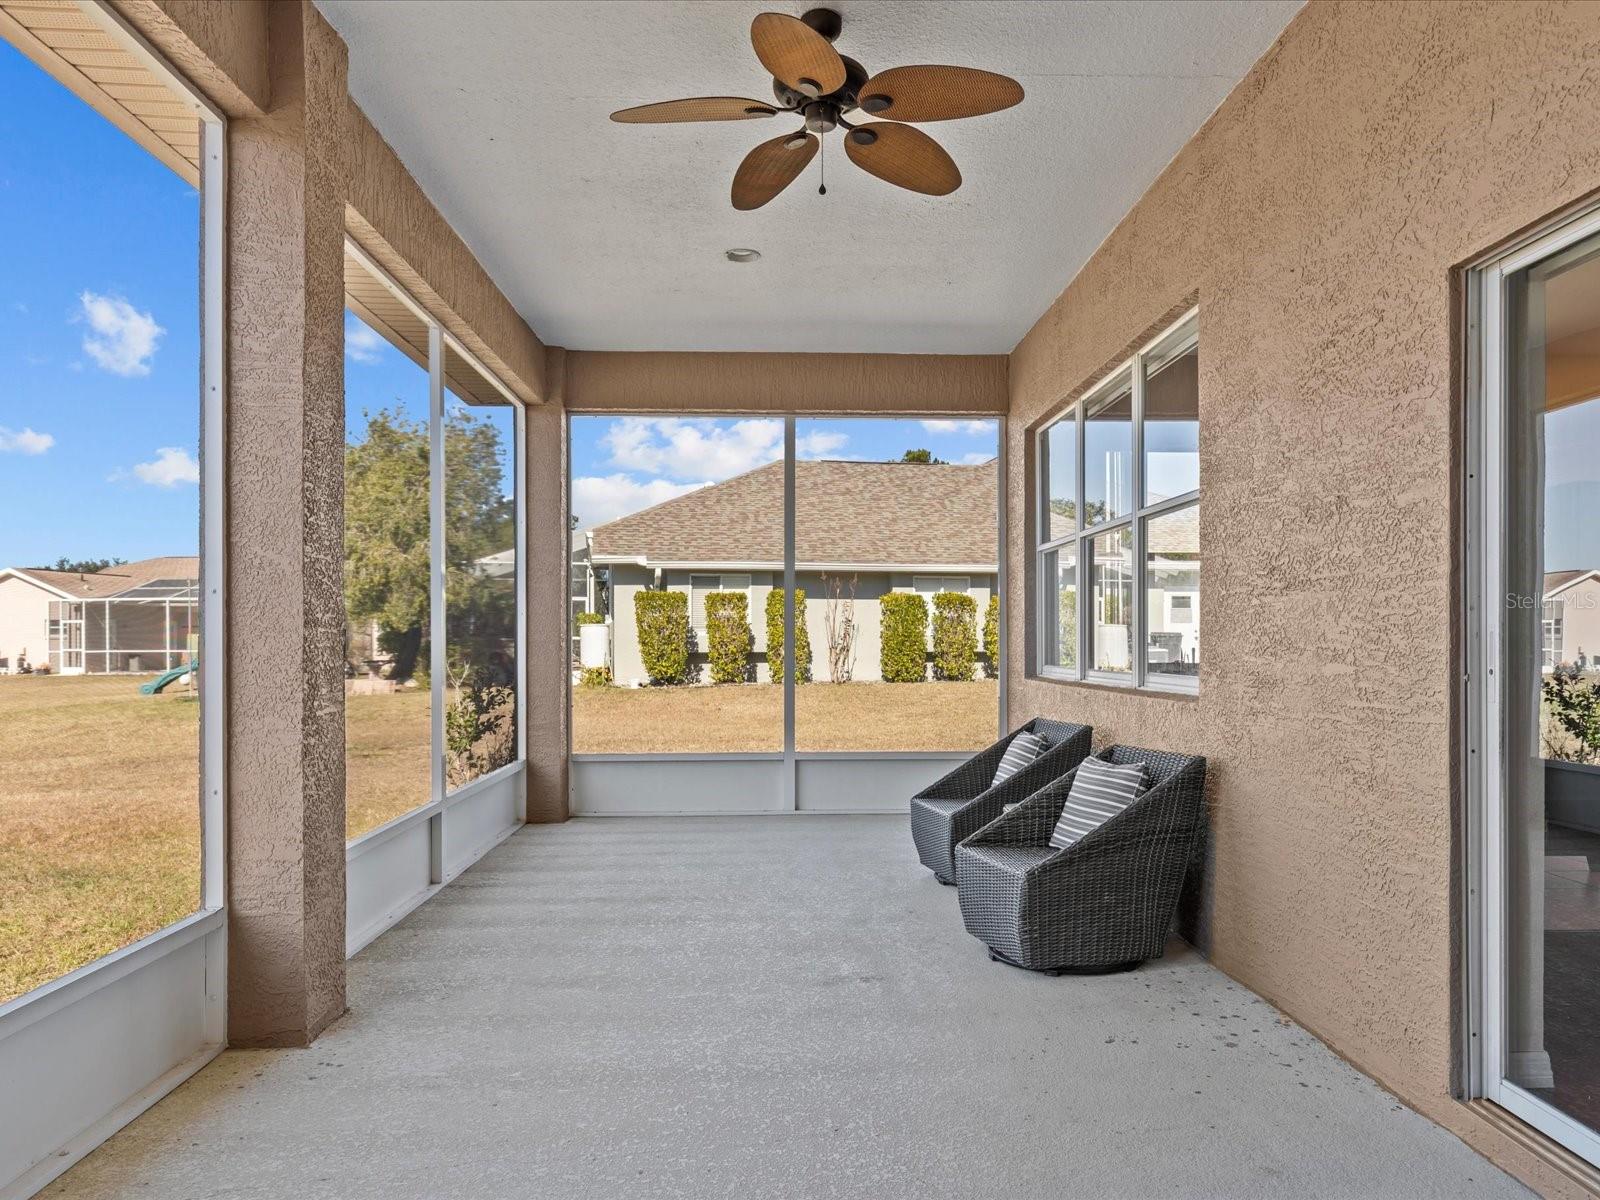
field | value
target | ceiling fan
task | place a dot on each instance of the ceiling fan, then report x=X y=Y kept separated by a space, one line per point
x=815 y=82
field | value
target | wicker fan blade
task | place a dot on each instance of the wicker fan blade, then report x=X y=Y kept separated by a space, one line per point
x=937 y=93
x=771 y=167
x=700 y=108
x=797 y=54
x=903 y=156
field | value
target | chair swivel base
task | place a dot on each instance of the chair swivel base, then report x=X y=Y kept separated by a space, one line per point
x=1110 y=969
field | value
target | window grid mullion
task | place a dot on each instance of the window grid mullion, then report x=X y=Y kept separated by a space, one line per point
x=1139 y=616
x=1082 y=539
x=1080 y=521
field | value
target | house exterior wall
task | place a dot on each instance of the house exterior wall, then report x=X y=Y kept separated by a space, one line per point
x=1317 y=219
x=24 y=617
x=1579 y=606
x=869 y=587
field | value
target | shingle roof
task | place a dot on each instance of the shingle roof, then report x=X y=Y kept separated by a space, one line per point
x=1554 y=581
x=116 y=579
x=1175 y=533
x=846 y=513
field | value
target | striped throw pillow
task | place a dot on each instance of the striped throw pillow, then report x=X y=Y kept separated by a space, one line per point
x=1024 y=748
x=1099 y=792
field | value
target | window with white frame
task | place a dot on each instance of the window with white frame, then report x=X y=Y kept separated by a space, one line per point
x=932 y=585
x=701 y=586
x=1118 y=515
x=1552 y=629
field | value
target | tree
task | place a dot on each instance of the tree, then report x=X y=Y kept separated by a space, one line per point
x=387 y=541
x=922 y=456
x=386 y=534
x=85 y=566
x=1574 y=706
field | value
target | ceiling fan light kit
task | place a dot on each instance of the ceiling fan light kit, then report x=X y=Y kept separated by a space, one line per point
x=813 y=81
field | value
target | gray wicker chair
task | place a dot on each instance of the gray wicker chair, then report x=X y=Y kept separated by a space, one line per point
x=1104 y=904
x=968 y=798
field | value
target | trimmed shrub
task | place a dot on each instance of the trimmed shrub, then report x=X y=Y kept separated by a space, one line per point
x=662 y=622
x=802 y=636
x=955 y=636
x=728 y=636
x=903 y=624
x=991 y=638
x=594 y=677
x=589 y=618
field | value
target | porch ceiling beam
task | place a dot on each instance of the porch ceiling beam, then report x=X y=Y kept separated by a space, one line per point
x=599 y=381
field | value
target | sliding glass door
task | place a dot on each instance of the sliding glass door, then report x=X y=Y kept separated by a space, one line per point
x=1537 y=725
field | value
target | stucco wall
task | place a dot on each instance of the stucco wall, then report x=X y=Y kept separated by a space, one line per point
x=220 y=48
x=1317 y=218
x=285 y=670
x=606 y=381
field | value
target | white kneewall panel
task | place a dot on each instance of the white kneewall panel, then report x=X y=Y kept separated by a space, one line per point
x=867 y=784
x=73 y=1072
x=477 y=821
x=387 y=874
x=624 y=786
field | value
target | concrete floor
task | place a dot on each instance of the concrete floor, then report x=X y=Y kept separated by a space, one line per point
x=767 y=1007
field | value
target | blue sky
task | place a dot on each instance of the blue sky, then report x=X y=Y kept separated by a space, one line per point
x=378 y=376
x=623 y=464
x=99 y=334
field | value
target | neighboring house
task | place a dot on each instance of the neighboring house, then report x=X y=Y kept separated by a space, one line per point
x=128 y=618
x=1571 y=617
x=866 y=528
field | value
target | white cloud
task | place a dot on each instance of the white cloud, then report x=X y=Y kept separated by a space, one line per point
x=597 y=499
x=171 y=466
x=702 y=448
x=362 y=343
x=122 y=339
x=977 y=459
x=821 y=444
x=24 y=441
x=693 y=449
x=973 y=428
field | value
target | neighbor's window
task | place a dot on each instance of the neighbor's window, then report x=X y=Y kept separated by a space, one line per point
x=1125 y=511
x=701 y=586
x=100 y=702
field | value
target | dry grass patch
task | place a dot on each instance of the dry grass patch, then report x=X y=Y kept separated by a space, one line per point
x=386 y=763
x=749 y=717
x=99 y=820
x=100 y=810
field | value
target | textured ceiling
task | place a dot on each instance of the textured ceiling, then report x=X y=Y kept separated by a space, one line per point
x=611 y=237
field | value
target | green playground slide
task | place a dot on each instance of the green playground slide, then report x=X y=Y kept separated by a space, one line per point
x=165 y=678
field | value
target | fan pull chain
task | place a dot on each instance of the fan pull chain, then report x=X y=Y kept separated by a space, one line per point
x=822 y=189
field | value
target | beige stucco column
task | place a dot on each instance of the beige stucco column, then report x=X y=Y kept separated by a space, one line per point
x=549 y=667
x=286 y=885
